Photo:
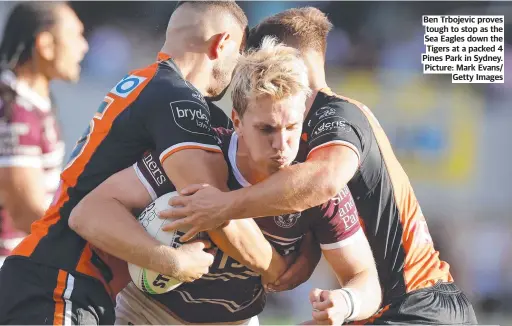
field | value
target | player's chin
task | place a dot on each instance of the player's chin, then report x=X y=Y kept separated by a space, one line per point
x=276 y=166
x=71 y=76
x=74 y=74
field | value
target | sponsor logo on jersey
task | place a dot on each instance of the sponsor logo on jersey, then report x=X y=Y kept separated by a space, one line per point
x=192 y=117
x=156 y=173
x=333 y=124
x=286 y=221
x=346 y=208
x=324 y=112
x=127 y=85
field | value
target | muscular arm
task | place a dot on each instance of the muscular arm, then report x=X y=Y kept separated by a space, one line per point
x=109 y=205
x=297 y=187
x=23 y=195
x=355 y=269
x=346 y=248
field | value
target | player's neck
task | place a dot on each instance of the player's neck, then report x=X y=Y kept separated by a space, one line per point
x=37 y=81
x=315 y=63
x=246 y=166
x=191 y=64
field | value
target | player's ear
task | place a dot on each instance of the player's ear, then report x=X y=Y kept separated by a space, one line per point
x=236 y=121
x=217 y=44
x=45 y=45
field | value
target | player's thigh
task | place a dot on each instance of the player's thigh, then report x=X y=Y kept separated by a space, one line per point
x=35 y=294
x=23 y=296
x=131 y=307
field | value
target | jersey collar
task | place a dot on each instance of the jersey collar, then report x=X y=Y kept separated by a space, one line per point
x=22 y=89
x=233 y=149
x=167 y=60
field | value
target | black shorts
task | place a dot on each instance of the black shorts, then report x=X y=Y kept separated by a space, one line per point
x=441 y=304
x=35 y=294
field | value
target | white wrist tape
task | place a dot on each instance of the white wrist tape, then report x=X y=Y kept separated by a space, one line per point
x=353 y=303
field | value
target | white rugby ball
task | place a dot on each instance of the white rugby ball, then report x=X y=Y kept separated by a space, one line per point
x=147 y=280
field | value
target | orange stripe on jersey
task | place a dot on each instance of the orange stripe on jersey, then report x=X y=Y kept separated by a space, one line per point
x=39 y=228
x=161 y=56
x=101 y=125
x=422 y=268
x=107 y=100
x=85 y=266
x=120 y=275
x=58 y=293
x=179 y=147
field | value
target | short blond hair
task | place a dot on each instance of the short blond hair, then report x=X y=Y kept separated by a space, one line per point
x=274 y=70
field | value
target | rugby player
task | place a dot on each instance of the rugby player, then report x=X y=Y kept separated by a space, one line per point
x=342 y=143
x=54 y=275
x=41 y=42
x=270 y=87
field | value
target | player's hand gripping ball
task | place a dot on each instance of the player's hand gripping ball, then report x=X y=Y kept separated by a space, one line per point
x=147 y=280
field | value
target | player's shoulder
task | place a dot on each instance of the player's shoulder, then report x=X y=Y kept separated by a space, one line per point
x=16 y=108
x=332 y=111
x=328 y=103
x=169 y=84
x=158 y=83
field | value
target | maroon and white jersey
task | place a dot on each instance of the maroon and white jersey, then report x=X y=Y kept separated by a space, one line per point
x=29 y=137
x=230 y=291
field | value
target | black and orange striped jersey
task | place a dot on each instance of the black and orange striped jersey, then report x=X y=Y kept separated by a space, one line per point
x=391 y=215
x=153 y=108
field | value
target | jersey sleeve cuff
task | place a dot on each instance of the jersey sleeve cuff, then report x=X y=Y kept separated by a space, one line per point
x=144 y=182
x=335 y=143
x=358 y=235
x=187 y=145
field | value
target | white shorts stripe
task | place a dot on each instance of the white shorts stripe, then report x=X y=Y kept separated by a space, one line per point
x=68 y=305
